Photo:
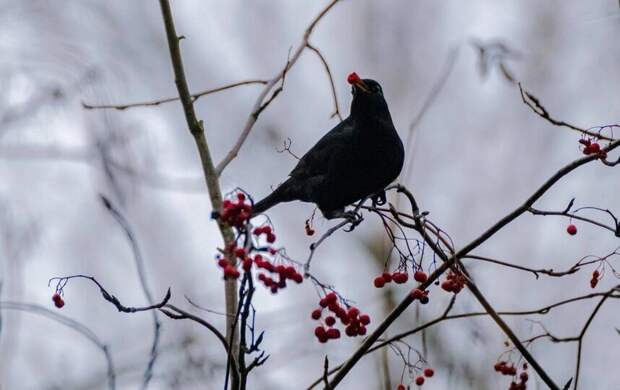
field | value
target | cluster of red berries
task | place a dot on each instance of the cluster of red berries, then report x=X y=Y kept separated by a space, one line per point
x=510 y=370
x=284 y=272
x=58 y=301
x=590 y=147
x=420 y=295
x=571 y=229
x=454 y=282
x=267 y=231
x=355 y=323
x=595 y=278
x=420 y=379
x=237 y=213
x=397 y=277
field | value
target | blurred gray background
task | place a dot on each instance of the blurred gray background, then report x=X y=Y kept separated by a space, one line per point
x=478 y=152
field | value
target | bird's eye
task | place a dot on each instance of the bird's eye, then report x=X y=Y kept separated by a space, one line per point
x=377 y=89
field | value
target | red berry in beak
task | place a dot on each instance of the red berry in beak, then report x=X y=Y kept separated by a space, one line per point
x=353 y=78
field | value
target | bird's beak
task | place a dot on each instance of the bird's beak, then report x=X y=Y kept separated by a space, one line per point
x=361 y=85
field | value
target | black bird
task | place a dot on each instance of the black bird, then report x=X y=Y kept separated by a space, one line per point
x=357 y=158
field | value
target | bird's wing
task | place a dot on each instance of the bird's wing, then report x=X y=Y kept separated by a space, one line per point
x=316 y=160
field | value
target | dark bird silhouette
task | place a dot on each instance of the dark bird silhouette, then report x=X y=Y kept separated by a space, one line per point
x=357 y=158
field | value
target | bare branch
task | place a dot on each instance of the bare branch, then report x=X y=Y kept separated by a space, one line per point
x=259 y=105
x=153 y=103
x=331 y=80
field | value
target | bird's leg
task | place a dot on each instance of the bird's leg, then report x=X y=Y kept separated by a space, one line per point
x=378 y=199
x=354 y=218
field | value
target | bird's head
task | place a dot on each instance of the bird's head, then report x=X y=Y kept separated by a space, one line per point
x=367 y=96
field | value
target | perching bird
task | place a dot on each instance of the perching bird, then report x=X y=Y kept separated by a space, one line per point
x=357 y=158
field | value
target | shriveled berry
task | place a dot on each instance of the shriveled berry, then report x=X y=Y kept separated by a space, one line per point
x=595 y=274
x=420 y=276
x=593 y=282
x=379 y=282
x=316 y=314
x=571 y=229
x=428 y=372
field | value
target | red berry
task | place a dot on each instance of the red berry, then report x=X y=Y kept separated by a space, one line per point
x=420 y=276
x=595 y=148
x=571 y=229
x=379 y=282
x=498 y=366
x=231 y=272
x=595 y=274
x=350 y=331
x=298 y=278
x=316 y=314
x=428 y=372
x=323 y=302
x=330 y=321
x=56 y=297
x=524 y=377
x=419 y=380
x=416 y=293
x=400 y=277
x=331 y=297
x=241 y=196
x=365 y=319
x=387 y=277
x=447 y=286
x=353 y=78
x=353 y=312
x=247 y=264
x=59 y=303
x=587 y=150
x=361 y=330
x=223 y=263
x=271 y=238
x=333 y=333
x=401 y=387
x=240 y=252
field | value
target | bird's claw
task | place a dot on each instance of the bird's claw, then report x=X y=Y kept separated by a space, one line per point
x=354 y=218
x=378 y=199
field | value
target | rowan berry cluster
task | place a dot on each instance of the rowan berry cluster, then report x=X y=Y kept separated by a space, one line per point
x=277 y=271
x=510 y=370
x=591 y=147
x=420 y=379
x=238 y=213
x=454 y=282
x=352 y=319
x=58 y=301
x=396 y=277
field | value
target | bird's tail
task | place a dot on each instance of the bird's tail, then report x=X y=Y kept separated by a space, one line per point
x=284 y=193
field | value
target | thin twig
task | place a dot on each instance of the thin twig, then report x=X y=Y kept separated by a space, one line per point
x=152 y=103
x=259 y=105
x=331 y=80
